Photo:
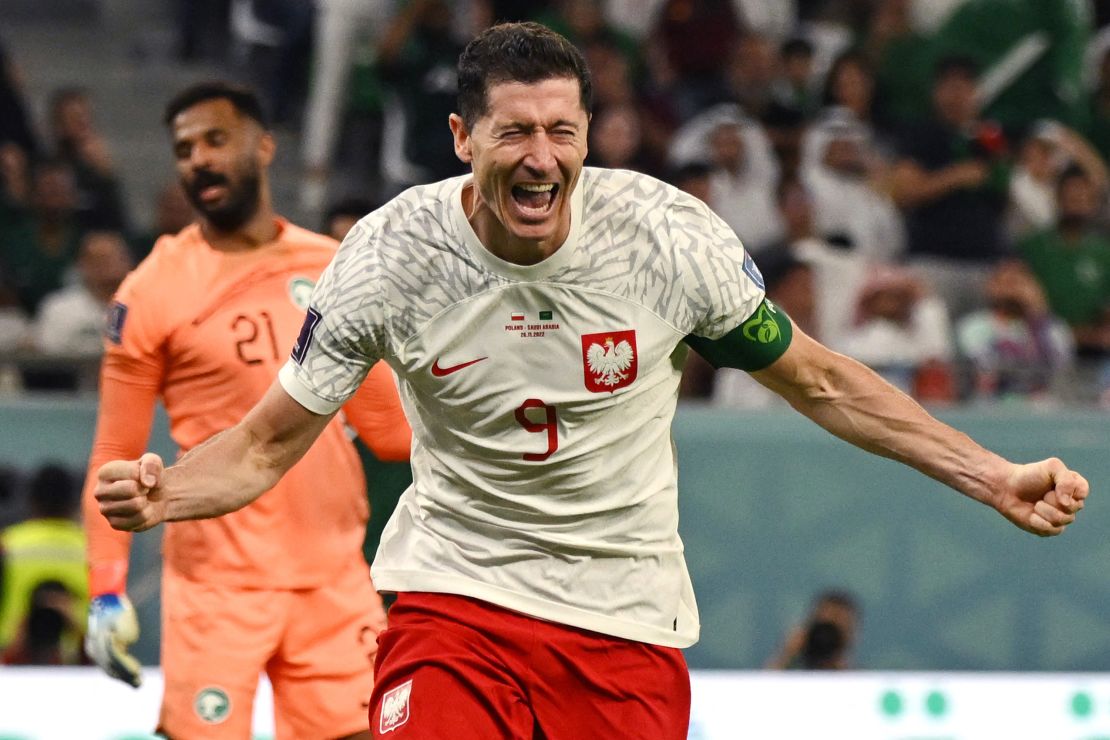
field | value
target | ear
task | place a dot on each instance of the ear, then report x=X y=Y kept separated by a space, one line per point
x=267 y=147
x=462 y=138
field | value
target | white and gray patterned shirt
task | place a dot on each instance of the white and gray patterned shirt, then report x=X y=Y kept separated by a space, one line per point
x=541 y=396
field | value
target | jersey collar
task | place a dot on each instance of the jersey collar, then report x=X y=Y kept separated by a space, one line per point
x=525 y=273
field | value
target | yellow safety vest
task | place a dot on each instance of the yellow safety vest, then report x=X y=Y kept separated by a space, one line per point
x=35 y=551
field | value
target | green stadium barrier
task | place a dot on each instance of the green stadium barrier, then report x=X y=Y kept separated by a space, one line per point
x=773 y=509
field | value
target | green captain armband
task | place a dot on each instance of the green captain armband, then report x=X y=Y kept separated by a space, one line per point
x=753 y=345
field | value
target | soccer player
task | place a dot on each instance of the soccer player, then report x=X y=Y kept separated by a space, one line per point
x=538 y=314
x=280 y=586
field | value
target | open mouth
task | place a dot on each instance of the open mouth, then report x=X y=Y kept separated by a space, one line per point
x=209 y=186
x=535 y=199
x=212 y=192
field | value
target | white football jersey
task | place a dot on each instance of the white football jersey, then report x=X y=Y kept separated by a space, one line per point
x=540 y=397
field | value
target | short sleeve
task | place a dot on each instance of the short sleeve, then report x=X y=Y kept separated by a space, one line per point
x=344 y=332
x=721 y=283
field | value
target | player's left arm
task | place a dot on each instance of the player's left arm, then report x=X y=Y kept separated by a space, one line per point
x=851 y=401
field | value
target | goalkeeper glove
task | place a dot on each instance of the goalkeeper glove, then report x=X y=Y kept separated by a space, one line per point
x=113 y=626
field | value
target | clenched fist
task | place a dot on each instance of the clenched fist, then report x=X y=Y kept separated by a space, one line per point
x=129 y=493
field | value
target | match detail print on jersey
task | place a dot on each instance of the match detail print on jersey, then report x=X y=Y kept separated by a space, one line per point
x=609 y=360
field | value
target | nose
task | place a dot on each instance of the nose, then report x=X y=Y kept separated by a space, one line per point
x=540 y=158
x=200 y=157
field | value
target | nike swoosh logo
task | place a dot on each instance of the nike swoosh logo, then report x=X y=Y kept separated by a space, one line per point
x=439 y=372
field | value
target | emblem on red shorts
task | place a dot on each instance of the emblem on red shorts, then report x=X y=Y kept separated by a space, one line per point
x=609 y=360
x=395 y=707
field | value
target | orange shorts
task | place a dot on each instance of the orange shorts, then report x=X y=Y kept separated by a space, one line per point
x=316 y=645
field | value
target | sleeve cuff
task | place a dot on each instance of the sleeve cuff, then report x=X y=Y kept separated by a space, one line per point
x=302 y=394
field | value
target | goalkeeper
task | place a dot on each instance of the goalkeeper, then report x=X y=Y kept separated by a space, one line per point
x=281 y=586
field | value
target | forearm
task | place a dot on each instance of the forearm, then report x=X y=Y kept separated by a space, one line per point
x=854 y=403
x=221 y=475
x=911 y=186
x=236 y=466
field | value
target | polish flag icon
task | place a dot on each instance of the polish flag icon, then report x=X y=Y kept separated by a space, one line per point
x=517 y=316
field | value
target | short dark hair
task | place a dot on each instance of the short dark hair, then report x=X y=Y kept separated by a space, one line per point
x=243 y=99
x=839 y=597
x=847 y=59
x=53 y=492
x=63 y=95
x=354 y=206
x=796 y=46
x=955 y=65
x=1072 y=172
x=517 y=52
x=692 y=170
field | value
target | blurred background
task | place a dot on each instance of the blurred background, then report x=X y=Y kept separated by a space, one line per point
x=923 y=184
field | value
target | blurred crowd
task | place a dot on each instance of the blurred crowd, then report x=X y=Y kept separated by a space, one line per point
x=922 y=182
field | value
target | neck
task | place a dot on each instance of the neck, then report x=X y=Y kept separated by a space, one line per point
x=261 y=228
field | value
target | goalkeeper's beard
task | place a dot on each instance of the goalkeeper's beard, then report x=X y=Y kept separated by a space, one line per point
x=242 y=200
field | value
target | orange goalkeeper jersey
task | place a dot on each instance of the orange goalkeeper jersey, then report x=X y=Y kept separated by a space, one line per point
x=207 y=331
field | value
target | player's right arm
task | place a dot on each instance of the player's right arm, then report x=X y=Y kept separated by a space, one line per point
x=130 y=380
x=224 y=474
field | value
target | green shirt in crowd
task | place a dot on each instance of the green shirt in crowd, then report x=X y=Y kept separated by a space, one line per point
x=1075 y=274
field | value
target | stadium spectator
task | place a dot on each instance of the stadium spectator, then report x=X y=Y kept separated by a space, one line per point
x=50 y=634
x=1098 y=130
x=14 y=194
x=41 y=238
x=15 y=181
x=1072 y=263
x=48 y=546
x=285 y=71
x=838 y=269
x=616 y=141
x=1048 y=150
x=845 y=173
x=343 y=215
x=541 y=581
x=951 y=179
x=903 y=333
x=902 y=57
x=583 y=22
x=794 y=92
x=203 y=323
x=79 y=144
x=417 y=58
x=825 y=640
x=615 y=84
x=71 y=321
x=1016 y=348
x=693 y=178
x=752 y=69
x=337 y=30
x=850 y=85
x=745 y=171
x=172 y=213
x=15 y=121
x=690 y=38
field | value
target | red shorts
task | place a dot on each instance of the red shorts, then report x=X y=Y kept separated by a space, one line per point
x=452 y=666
